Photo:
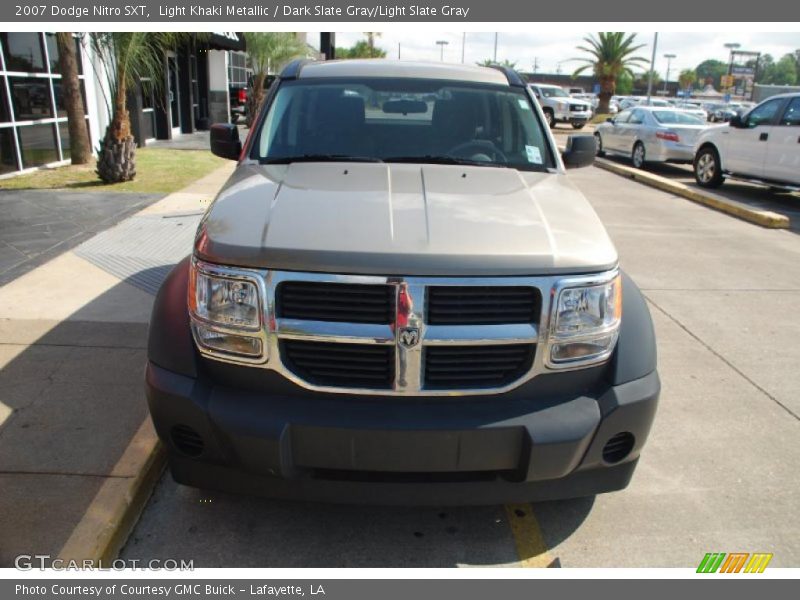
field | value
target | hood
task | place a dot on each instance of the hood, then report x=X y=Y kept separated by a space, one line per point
x=402 y=219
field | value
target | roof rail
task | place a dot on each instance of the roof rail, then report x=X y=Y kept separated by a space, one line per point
x=292 y=70
x=511 y=75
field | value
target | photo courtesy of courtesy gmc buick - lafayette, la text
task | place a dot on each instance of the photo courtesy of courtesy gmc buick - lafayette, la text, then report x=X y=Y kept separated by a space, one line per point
x=400 y=297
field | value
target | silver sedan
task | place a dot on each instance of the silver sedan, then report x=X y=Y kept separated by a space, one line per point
x=650 y=134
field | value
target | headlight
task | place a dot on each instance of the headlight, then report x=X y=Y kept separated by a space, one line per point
x=585 y=323
x=225 y=308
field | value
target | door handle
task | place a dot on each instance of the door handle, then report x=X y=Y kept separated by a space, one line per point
x=763 y=137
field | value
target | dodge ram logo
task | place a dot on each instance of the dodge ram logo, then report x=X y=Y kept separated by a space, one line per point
x=408 y=337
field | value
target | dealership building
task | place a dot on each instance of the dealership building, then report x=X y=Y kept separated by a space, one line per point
x=33 y=121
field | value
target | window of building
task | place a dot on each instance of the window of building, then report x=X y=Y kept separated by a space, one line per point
x=33 y=118
x=237 y=69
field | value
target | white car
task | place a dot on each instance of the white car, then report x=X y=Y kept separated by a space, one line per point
x=762 y=146
x=559 y=107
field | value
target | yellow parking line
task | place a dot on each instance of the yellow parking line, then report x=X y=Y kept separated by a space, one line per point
x=531 y=547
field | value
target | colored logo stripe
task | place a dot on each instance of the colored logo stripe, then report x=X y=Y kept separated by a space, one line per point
x=734 y=563
x=758 y=562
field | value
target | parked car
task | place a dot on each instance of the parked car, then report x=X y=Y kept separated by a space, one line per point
x=559 y=107
x=650 y=134
x=762 y=146
x=238 y=95
x=693 y=109
x=386 y=308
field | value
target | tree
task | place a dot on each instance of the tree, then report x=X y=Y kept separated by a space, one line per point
x=709 y=72
x=783 y=72
x=127 y=57
x=371 y=35
x=269 y=51
x=624 y=84
x=642 y=80
x=80 y=151
x=361 y=49
x=488 y=62
x=611 y=54
x=686 y=78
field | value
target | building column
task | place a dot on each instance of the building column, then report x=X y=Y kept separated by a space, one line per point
x=218 y=93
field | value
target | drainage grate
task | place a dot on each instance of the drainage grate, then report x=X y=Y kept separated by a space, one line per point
x=142 y=250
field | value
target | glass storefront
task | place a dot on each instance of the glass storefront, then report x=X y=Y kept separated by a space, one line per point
x=33 y=120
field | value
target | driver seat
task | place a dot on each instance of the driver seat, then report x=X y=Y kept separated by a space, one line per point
x=454 y=122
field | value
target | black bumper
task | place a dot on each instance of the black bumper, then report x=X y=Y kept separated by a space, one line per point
x=271 y=438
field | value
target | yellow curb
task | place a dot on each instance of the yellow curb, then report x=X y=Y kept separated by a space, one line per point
x=115 y=509
x=531 y=548
x=765 y=218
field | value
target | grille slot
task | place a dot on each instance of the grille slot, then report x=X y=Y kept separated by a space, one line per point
x=459 y=367
x=618 y=447
x=187 y=440
x=340 y=365
x=483 y=305
x=342 y=302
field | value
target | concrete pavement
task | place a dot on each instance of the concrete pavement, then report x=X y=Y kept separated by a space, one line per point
x=72 y=354
x=718 y=473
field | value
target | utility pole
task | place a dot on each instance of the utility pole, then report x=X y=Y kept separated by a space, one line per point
x=535 y=64
x=442 y=44
x=463 y=45
x=669 y=58
x=652 y=64
x=398 y=50
x=495 y=47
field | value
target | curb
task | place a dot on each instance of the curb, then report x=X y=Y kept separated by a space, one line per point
x=115 y=509
x=764 y=218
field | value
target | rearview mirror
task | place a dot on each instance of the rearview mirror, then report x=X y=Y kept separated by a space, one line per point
x=225 y=141
x=404 y=107
x=580 y=151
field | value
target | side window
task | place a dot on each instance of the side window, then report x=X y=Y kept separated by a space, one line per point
x=623 y=117
x=764 y=113
x=637 y=117
x=791 y=115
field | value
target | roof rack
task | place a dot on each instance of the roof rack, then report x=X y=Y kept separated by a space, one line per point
x=511 y=75
x=292 y=70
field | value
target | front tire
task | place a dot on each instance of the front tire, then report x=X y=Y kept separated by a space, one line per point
x=707 y=168
x=638 y=155
x=550 y=118
x=598 y=144
x=578 y=125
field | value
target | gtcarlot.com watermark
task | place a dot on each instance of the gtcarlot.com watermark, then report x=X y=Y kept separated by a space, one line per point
x=31 y=562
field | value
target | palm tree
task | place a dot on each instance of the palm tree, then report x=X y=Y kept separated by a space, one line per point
x=80 y=151
x=611 y=54
x=371 y=35
x=687 y=78
x=268 y=51
x=488 y=62
x=127 y=58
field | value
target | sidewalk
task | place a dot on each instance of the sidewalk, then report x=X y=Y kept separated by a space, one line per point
x=73 y=336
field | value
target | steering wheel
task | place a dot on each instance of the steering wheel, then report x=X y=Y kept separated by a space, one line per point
x=478 y=147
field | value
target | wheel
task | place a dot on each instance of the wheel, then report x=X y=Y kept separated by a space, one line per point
x=549 y=117
x=578 y=125
x=598 y=144
x=637 y=156
x=707 y=168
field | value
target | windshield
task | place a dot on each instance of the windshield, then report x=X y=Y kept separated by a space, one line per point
x=553 y=92
x=674 y=117
x=402 y=120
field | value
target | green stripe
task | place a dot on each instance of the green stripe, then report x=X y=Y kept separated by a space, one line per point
x=703 y=563
x=718 y=562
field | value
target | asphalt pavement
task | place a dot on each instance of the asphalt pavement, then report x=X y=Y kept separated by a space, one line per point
x=719 y=473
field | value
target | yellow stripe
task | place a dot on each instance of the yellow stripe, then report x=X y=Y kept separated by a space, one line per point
x=531 y=547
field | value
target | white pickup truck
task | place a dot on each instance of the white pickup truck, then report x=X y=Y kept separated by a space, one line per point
x=762 y=146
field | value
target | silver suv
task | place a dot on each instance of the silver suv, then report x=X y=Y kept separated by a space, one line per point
x=400 y=297
x=559 y=107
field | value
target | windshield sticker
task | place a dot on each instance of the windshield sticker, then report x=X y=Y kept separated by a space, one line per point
x=534 y=156
x=523 y=104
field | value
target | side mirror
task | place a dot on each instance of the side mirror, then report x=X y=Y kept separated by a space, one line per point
x=610 y=120
x=225 y=141
x=580 y=151
x=736 y=121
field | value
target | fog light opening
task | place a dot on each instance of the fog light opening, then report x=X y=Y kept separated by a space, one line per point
x=187 y=441
x=618 y=447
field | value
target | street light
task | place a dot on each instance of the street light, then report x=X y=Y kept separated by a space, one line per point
x=441 y=44
x=669 y=58
x=731 y=46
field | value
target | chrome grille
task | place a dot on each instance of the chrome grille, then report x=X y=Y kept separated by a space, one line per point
x=342 y=302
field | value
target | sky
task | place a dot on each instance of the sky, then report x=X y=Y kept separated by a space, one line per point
x=552 y=50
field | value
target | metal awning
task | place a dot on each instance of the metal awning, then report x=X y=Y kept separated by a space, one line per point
x=227 y=40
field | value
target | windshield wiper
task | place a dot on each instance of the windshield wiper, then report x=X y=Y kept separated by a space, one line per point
x=285 y=160
x=443 y=160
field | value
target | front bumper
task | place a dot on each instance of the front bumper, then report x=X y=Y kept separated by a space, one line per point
x=573 y=116
x=270 y=437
